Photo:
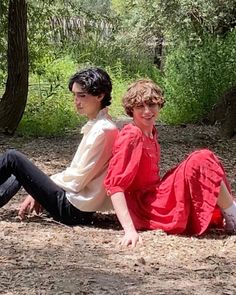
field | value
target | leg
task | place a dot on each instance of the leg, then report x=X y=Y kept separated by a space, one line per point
x=34 y=181
x=204 y=175
x=225 y=199
x=207 y=179
x=228 y=207
x=8 y=189
x=39 y=186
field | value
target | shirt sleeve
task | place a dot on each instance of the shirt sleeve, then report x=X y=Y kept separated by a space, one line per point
x=125 y=161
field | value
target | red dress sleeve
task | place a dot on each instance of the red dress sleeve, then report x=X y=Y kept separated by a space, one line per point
x=124 y=163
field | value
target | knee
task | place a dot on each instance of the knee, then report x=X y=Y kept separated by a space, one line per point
x=200 y=157
x=12 y=154
x=204 y=154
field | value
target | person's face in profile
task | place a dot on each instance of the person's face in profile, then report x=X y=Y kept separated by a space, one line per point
x=85 y=103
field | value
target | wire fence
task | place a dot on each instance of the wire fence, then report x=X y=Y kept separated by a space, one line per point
x=40 y=89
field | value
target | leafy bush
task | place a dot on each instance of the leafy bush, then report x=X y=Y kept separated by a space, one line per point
x=51 y=116
x=49 y=109
x=196 y=75
x=121 y=80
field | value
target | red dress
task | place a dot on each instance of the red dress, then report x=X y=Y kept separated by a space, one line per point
x=183 y=201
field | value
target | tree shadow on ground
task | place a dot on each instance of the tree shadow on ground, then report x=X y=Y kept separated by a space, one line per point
x=99 y=220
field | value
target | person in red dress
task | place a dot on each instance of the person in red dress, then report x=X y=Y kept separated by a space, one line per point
x=187 y=200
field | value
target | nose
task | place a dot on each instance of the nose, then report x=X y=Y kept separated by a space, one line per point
x=146 y=108
x=77 y=100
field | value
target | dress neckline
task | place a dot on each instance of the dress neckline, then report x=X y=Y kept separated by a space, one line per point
x=153 y=134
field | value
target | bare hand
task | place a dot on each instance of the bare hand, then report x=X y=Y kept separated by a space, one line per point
x=131 y=238
x=28 y=206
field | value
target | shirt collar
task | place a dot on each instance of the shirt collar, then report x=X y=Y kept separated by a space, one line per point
x=103 y=114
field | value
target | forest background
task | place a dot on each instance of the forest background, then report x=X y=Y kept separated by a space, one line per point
x=187 y=47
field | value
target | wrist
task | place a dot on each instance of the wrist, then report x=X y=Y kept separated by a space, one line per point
x=129 y=228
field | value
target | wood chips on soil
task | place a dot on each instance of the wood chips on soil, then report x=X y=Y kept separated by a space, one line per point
x=39 y=256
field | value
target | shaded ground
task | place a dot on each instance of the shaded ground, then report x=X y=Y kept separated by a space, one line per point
x=39 y=256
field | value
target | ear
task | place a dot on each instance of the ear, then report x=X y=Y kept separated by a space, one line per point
x=100 y=97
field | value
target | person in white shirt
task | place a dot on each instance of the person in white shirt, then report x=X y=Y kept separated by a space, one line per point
x=72 y=195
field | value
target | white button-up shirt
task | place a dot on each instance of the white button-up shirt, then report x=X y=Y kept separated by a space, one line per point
x=83 y=179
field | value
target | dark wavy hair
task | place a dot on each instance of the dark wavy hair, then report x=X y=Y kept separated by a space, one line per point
x=94 y=81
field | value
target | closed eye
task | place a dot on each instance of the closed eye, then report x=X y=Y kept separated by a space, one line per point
x=79 y=95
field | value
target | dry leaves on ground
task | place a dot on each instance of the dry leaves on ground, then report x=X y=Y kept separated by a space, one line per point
x=40 y=256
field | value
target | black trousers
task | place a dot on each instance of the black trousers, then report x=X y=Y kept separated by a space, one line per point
x=16 y=171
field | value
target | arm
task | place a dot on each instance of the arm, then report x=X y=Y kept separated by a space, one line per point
x=28 y=206
x=89 y=161
x=131 y=236
x=122 y=170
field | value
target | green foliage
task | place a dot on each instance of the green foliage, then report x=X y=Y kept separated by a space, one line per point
x=3 y=40
x=54 y=72
x=121 y=80
x=41 y=49
x=199 y=54
x=196 y=76
x=197 y=17
x=118 y=6
x=199 y=49
x=51 y=116
x=93 y=6
x=49 y=109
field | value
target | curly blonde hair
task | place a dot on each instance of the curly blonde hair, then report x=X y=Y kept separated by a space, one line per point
x=142 y=91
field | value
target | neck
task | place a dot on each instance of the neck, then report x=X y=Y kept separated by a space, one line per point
x=93 y=115
x=147 y=130
x=148 y=133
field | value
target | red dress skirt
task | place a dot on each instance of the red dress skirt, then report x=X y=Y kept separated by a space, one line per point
x=183 y=201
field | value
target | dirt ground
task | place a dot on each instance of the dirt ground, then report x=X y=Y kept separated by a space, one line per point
x=39 y=256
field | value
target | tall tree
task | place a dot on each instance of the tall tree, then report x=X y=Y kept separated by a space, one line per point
x=3 y=45
x=13 y=101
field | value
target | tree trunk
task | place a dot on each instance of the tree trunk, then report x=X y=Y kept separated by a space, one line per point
x=13 y=102
x=224 y=112
x=159 y=53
